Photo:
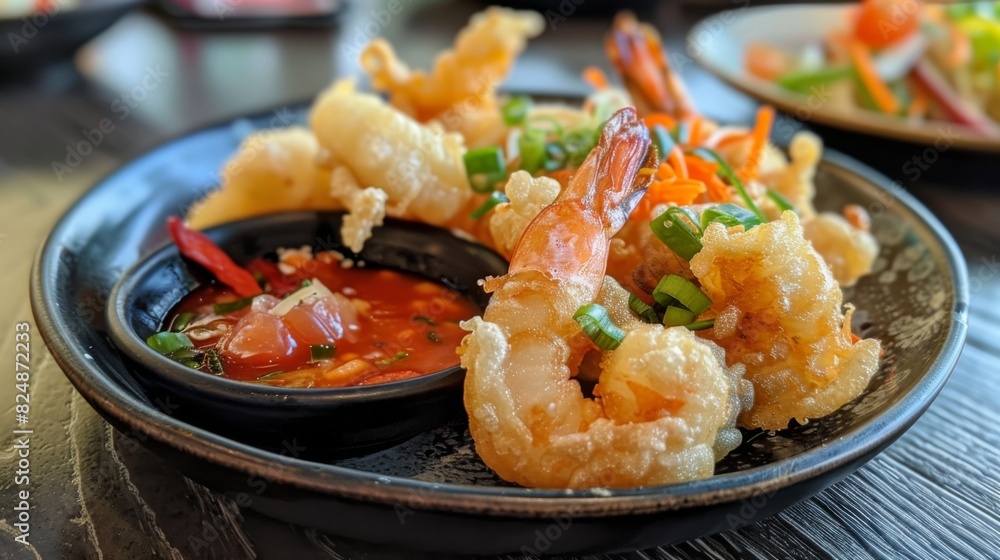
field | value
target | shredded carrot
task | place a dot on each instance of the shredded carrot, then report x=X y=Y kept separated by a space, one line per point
x=595 y=77
x=669 y=188
x=761 y=132
x=708 y=173
x=677 y=160
x=880 y=92
x=855 y=338
x=960 y=48
x=694 y=138
x=662 y=119
x=918 y=107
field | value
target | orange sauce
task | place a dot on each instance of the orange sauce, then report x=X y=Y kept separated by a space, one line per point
x=380 y=326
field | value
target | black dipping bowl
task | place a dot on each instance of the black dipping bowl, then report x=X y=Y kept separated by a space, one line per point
x=315 y=423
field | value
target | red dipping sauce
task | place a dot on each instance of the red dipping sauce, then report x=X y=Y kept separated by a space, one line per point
x=323 y=322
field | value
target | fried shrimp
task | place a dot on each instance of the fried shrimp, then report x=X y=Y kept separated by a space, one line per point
x=460 y=90
x=272 y=171
x=849 y=251
x=664 y=394
x=778 y=312
x=528 y=196
x=419 y=167
x=637 y=53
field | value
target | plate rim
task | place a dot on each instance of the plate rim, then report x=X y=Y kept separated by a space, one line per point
x=862 y=121
x=345 y=483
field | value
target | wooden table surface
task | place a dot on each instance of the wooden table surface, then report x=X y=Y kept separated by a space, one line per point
x=933 y=494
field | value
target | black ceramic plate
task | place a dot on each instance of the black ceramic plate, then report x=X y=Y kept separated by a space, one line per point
x=432 y=492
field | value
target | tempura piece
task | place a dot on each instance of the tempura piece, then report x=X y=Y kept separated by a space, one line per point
x=778 y=311
x=365 y=207
x=272 y=171
x=849 y=251
x=459 y=92
x=419 y=167
x=528 y=195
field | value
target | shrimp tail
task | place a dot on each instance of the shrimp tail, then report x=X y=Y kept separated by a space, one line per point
x=601 y=195
x=637 y=53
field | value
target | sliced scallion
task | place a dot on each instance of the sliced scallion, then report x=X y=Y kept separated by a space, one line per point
x=679 y=229
x=495 y=198
x=424 y=319
x=231 y=306
x=578 y=144
x=516 y=110
x=701 y=325
x=593 y=318
x=556 y=156
x=167 y=343
x=531 y=144
x=182 y=321
x=645 y=312
x=780 y=201
x=433 y=336
x=212 y=362
x=664 y=142
x=674 y=316
x=729 y=215
x=319 y=352
x=674 y=288
x=392 y=359
x=485 y=167
x=682 y=133
x=727 y=173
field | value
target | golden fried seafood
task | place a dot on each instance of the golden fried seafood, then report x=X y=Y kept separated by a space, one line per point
x=778 y=311
x=418 y=166
x=637 y=53
x=849 y=251
x=459 y=91
x=527 y=197
x=272 y=171
x=664 y=395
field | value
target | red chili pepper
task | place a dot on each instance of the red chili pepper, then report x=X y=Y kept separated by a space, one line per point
x=199 y=248
x=281 y=284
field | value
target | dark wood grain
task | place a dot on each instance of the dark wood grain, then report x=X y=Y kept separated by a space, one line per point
x=933 y=494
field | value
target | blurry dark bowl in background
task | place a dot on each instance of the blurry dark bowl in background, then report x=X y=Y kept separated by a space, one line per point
x=55 y=35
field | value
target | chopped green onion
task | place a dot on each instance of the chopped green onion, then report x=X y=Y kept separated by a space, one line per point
x=805 y=81
x=531 y=144
x=639 y=307
x=424 y=319
x=305 y=284
x=676 y=316
x=682 y=133
x=727 y=173
x=556 y=130
x=212 y=361
x=485 y=167
x=664 y=142
x=595 y=322
x=729 y=215
x=319 y=352
x=496 y=197
x=433 y=336
x=167 y=343
x=182 y=321
x=556 y=156
x=192 y=364
x=229 y=307
x=578 y=145
x=516 y=110
x=678 y=228
x=673 y=288
x=392 y=359
x=780 y=201
x=701 y=325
